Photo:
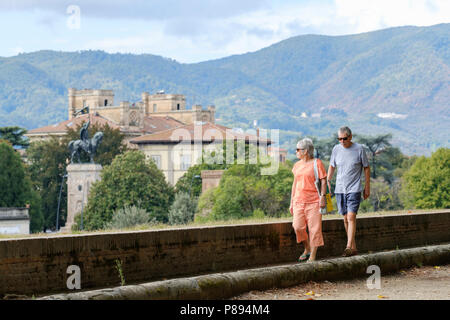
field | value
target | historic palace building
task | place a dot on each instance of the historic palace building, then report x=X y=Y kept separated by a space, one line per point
x=157 y=125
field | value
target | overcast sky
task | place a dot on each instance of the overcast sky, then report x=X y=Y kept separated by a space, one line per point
x=196 y=30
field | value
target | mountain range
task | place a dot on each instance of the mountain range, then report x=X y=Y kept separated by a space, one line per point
x=395 y=80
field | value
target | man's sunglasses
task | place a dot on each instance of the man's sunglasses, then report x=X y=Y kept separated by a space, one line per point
x=344 y=139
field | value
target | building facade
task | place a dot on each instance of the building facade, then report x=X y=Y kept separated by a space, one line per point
x=156 y=112
x=159 y=125
x=174 y=151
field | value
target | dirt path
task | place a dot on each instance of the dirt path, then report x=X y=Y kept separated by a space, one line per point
x=424 y=283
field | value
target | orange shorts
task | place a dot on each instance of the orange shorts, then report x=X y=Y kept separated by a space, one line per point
x=308 y=215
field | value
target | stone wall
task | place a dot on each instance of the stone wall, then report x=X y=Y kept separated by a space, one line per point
x=39 y=265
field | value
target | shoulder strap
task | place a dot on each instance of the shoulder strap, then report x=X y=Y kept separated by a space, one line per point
x=316 y=175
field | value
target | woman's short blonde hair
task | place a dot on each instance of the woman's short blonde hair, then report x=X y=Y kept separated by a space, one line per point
x=307 y=144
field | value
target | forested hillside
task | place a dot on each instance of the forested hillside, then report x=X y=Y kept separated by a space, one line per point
x=389 y=81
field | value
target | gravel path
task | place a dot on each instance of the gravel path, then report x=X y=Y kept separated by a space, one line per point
x=417 y=283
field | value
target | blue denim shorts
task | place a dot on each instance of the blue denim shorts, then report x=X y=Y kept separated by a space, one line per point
x=348 y=202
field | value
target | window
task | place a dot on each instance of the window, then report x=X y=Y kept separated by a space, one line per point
x=157 y=160
x=178 y=106
x=185 y=161
x=154 y=108
x=106 y=103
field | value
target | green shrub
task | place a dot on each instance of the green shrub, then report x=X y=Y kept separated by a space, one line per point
x=258 y=214
x=128 y=217
x=204 y=206
x=183 y=209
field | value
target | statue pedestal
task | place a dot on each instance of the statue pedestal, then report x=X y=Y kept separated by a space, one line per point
x=80 y=177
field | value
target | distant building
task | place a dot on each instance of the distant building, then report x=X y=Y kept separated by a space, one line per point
x=175 y=150
x=154 y=113
x=14 y=221
x=151 y=125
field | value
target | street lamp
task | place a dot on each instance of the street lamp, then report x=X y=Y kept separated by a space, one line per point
x=192 y=180
x=59 y=202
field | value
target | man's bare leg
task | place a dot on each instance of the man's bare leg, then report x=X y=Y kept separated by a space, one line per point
x=351 y=230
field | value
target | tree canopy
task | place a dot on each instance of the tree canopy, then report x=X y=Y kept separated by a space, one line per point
x=15 y=135
x=129 y=180
x=15 y=186
x=428 y=181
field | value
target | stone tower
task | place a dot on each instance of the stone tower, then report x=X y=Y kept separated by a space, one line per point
x=79 y=99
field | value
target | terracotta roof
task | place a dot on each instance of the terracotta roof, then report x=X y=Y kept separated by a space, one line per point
x=156 y=124
x=151 y=124
x=210 y=132
x=62 y=127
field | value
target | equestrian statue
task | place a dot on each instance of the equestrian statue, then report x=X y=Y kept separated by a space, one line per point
x=87 y=145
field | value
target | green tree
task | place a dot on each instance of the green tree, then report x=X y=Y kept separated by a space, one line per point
x=129 y=180
x=324 y=147
x=205 y=205
x=15 y=186
x=427 y=182
x=14 y=189
x=243 y=189
x=15 y=136
x=229 y=200
x=380 y=194
x=375 y=145
x=388 y=161
x=47 y=165
x=188 y=183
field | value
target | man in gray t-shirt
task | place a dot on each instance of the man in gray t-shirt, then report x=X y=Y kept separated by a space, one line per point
x=350 y=159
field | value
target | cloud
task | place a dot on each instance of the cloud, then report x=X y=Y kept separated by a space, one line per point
x=197 y=30
x=142 y=9
x=367 y=15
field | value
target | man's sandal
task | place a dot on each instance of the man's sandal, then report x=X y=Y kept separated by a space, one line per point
x=347 y=252
x=304 y=257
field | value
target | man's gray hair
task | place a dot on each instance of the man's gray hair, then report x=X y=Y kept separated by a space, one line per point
x=307 y=144
x=345 y=130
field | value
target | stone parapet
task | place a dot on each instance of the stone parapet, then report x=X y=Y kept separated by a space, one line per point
x=226 y=285
x=39 y=265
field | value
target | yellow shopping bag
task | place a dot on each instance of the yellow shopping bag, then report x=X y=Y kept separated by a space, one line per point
x=329 y=203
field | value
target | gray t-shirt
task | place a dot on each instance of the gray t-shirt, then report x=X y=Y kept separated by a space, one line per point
x=349 y=163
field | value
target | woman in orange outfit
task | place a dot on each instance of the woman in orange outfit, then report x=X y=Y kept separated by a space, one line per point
x=305 y=201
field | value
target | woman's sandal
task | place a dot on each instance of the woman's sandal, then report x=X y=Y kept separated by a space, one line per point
x=304 y=257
